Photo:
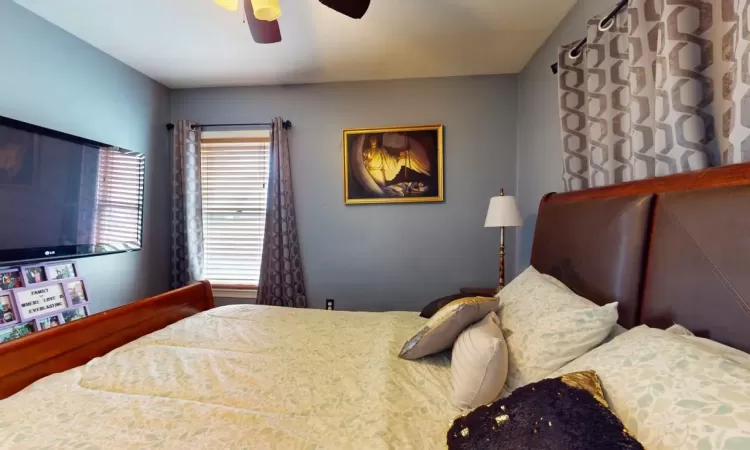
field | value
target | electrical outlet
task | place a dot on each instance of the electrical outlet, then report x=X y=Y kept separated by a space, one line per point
x=329 y=304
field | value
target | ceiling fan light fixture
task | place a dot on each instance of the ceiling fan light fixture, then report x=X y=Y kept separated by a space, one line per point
x=268 y=10
x=229 y=5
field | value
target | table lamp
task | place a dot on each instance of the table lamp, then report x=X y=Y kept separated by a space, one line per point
x=503 y=212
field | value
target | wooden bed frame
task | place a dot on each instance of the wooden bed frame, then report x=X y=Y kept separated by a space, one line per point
x=58 y=349
x=55 y=350
x=733 y=175
x=669 y=250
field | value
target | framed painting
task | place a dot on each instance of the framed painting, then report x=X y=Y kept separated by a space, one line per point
x=41 y=299
x=393 y=165
x=10 y=279
x=17 y=331
x=71 y=315
x=77 y=293
x=33 y=274
x=48 y=322
x=8 y=313
x=61 y=270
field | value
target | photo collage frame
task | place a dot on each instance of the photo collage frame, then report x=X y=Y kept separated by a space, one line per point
x=40 y=296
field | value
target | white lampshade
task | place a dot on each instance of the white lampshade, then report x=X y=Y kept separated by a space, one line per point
x=503 y=212
x=231 y=5
x=268 y=10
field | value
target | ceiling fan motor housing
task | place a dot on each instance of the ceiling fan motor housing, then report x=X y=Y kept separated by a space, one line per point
x=262 y=15
x=355 y=9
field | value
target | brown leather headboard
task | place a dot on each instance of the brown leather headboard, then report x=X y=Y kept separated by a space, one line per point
x=695 y=231
x=596 y=247
x=698 y=274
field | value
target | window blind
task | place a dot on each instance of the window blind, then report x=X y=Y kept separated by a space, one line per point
x=234 y=174
x=118 y=199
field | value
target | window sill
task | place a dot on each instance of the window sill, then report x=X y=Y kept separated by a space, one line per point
x=246 y=294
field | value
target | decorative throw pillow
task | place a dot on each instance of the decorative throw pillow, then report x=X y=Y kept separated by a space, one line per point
x=435 y=305
x=441 y=331
x=547 y=325
x=674 y=391
x=479 y=364
x=568 y=412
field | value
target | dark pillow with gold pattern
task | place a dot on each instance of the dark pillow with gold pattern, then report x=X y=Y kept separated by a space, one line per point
x=561 y=413
x=435 y=305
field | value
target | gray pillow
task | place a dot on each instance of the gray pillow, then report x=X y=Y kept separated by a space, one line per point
x=441 y=331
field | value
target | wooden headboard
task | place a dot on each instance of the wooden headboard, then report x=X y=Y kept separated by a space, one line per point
x=674 y=249
x=71 y=345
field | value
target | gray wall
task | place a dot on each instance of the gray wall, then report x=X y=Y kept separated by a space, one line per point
x=539 y=130
x=50 y=78
x=386 y=257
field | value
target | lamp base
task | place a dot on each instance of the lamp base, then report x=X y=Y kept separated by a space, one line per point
x=501 y=261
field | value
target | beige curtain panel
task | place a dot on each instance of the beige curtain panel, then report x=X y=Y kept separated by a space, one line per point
x=662 y=89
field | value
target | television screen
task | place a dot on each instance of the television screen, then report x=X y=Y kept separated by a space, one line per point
x=63 y=196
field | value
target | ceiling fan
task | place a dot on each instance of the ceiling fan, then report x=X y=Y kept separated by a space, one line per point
x=262 y=15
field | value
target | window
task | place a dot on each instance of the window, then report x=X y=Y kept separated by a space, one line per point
x=118 y=199
x=234 y=172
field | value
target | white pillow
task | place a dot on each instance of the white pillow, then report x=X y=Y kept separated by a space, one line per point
x=546 y=326
x=479 y=364
x=674 y=391
x=679 y=329
x=722 y=350
x=616 y=330
x=532 y=270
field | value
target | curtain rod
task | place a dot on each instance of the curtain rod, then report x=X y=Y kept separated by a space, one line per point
x=605 y=24
x=287 y=124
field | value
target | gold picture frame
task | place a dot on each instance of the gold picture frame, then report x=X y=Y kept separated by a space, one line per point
x=393 y=165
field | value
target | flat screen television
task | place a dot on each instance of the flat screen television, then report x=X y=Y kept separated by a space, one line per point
x=63 y=196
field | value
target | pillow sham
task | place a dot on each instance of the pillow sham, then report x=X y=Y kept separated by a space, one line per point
x=568 y=412
x=531 y=270
x=441 y=331
x=553 y=280
x=679 y=329
x=546 y=326
x=674 y=391
x=616 y=330
x=721 y=350
x=479 y=363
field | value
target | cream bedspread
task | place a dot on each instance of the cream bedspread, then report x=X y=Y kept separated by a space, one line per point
x=245 y=377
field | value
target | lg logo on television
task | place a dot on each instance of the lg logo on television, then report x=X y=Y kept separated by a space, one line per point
x=49 y=253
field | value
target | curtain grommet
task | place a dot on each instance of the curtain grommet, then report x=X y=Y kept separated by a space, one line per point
x=606 y=23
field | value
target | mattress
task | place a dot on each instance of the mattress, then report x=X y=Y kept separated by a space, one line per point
x=245 y=377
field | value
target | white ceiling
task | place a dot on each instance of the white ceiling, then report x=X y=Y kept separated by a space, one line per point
x=193 y=43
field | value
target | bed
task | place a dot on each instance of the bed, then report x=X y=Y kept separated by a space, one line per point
x=172 y=371
x=246 y=376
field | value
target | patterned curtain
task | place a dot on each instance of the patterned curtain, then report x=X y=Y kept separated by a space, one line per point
x=187 y=210
x=281 y=280
x=662 y=89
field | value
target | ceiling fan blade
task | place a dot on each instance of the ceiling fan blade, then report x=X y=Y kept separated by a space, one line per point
x=263 y=32
x=355 y=9
x=230 y=5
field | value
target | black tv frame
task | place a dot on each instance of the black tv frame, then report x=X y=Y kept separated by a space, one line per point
x=12 y=257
